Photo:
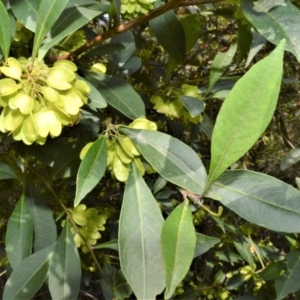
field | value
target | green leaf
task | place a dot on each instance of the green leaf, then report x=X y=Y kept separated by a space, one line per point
x=112 y=244
x=117 y=283
x=23 y=9
x=91 y=169
x=119 y=94
x=236 y=281
x=41 y=215
x=65 y=267
x=5 y=30
x=292 y=158
x=170 y=34
x=28 y=277
x=48 y=12
x=117 y=60
x=7 y=172
x=104 y=49
x=258 y=41
x=273 y=270
x=244 y=116
x=289 y=283
x=194 y=105
x=44 y=153
x=171 y=158
x=204 y=243
x=139 y=238
x=192 y=29
x=281 y=22
x=260 y=199
x=219 y=65
x=133 y=64
x=178 y=240
x=19 y=234
x=74 y=16
x=116 y=12
x=244 y=250
x=244 y=40
x=67 y=161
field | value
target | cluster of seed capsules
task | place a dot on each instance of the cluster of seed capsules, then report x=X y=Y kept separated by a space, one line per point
x=90 y=222
x=121 y=151
x=38 y=100
x=172 y=106
x=133 y=8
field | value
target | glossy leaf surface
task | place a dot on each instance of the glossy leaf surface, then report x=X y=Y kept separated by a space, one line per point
x=23 y=9
x=48 y=13
x=258 y=41
x=260 y=199
x=292 y=158
x=7 y=172
x=67 y=161
x=41 y=215
x=117 y=60
x=5 y=30
x=244 y=40
x=139 y=238
x=19 y=234
x=279 y=22
x=192 y=29
x=289 y=283
x=75 y=15
x=273 y=270
x=28 y=277
x=119 y=94
x=237 y=126
x=91 y=169
x=195 y=106
x=170 y=34
x=112 y=244
x=204 y=243
x=219 y=65
x=65 y=267
x=170 y=157
x=178 y=239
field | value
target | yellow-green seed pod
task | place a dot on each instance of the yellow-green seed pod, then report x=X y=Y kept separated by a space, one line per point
x=72 y=101
x=138 y=162
x=12 y=119
x=51 y=95
x=8 y=86
x=120 y=169
x=60 y=78
x=65 y=64
x=13 y=68
x=124 y=157
x=28 y=130
x=23 y=102
x=142 y=123
x=99 y=68
x=48 y=122
x=129 y=147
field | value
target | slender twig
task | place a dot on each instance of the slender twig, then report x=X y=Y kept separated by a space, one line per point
x=132 y=24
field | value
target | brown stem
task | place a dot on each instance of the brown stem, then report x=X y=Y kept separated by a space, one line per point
x=132 y=24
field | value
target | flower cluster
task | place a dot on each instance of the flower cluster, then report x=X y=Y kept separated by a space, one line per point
x=37 y=100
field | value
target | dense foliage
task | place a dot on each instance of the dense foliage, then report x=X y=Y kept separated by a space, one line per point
x=134 y=147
